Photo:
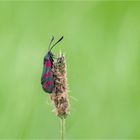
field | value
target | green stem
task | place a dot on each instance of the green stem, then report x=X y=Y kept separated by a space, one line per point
x=62 y=128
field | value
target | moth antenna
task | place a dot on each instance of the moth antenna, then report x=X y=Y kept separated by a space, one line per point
x=51 y=42
x=57 y=42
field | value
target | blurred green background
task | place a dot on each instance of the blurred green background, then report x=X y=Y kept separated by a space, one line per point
x=102 y=47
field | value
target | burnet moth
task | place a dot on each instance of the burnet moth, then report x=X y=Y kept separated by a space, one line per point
x=47 y=78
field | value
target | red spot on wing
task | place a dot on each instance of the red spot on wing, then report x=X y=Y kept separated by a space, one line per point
x=47 y=84
x=49 y=73
x=48 y=64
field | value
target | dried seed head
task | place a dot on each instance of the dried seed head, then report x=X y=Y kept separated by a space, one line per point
x=59 y=95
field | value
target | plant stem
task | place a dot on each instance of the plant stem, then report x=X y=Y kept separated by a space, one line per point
x=62 y=128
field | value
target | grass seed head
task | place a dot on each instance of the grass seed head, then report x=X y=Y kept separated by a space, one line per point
x=59 y=95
